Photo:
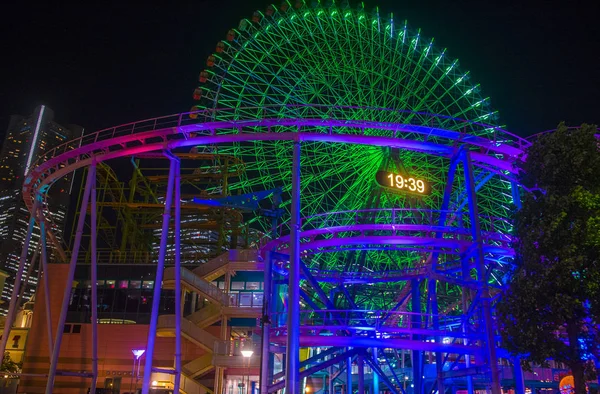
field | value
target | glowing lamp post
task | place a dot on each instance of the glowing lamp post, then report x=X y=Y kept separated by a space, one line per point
x=137 y=354
x=247 y=352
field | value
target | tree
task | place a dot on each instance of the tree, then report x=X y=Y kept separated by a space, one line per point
x=8 y=365
x=551 y=307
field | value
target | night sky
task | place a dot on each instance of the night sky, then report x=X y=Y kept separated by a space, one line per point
x=99 y=65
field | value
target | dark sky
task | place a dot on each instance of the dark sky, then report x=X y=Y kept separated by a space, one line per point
x=100 y=65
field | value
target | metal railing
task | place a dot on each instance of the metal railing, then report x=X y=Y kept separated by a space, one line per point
x=372 y=320
x=322 y=112
x=188 y=328
x=202 y=285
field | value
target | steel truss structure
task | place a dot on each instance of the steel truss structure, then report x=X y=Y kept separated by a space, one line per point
x=314 y=101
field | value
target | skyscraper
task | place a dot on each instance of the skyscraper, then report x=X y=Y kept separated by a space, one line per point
x=26 y=139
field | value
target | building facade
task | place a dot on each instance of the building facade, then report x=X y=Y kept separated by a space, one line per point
x=26 y=139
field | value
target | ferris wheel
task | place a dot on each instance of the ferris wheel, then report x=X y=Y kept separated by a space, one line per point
x=333 y=61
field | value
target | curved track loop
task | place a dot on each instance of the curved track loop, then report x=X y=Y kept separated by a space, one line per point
x=393 y=329
x=496 y=154
x=408 y=229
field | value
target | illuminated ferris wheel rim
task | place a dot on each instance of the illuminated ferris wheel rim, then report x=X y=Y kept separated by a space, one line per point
x=179 y=131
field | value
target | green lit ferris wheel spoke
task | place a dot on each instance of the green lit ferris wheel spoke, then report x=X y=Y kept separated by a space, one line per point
x=350 y=58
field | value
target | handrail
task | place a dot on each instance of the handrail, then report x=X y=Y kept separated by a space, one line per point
x=189 y=329
x=182 y=119
x=319 y=122
x=204 y=286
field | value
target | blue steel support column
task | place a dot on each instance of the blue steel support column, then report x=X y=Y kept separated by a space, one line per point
x=432 y=290
x=292 y=373
x=375 y=375
x=416 y=323
x=490 y=340
x=266 y=326
x=46 y=284
x=518 y=374
x=361 y=374
x=14 y=296
x=516 y=196
x=158 y=280
x=349 y=374
x=69 y=285
x=178 y=306
x=94 y=278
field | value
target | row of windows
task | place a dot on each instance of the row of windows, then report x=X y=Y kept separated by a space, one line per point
x=240 y=285
x=120 y=284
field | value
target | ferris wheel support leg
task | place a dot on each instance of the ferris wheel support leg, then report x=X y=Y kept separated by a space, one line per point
x=158 y=280
x=18 y=278
x=178 y=291
x=266 y=326
x=375 y=375
x=432 y=290
x=416 y=323
x=91 y=177
x=94 y=278
x=490 y=340
x=292 y=378
x=361 y=374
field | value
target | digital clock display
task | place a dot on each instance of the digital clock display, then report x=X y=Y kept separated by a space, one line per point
x=403 y=183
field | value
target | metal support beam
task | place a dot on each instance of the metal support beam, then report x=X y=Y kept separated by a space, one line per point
x=309 y=300
x=158 y=280
x=490 y=341
x=91 y=178
x=375 y=375
x=432 y=290
x=316 y=368
x=266 y=326
x=349 y=374
x=94 y=278
x=292 y=378
x=361 y=374
x=516 y=195
x=315 y=285
x=416 y=323
x=46 y=281
x=519 y=377
x=178 y=291
x=380 y=374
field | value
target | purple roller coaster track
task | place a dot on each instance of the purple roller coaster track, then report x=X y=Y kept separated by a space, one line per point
x=473 y=245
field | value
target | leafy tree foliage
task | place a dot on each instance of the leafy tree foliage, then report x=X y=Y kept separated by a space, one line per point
x=551 y=308
x=8 y=365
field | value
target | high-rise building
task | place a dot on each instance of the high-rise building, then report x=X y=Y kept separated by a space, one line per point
x=27 y=138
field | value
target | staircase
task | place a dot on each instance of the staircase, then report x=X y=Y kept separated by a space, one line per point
x=206 y=316
x=193 y=333
x=192 y=326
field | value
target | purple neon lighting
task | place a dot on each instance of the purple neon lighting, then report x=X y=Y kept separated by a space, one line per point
x=166 y=132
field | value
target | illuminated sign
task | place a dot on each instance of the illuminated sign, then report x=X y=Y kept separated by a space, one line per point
x=404 y=183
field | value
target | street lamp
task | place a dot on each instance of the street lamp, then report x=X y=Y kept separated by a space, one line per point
x=247 y=352
x=137 y=354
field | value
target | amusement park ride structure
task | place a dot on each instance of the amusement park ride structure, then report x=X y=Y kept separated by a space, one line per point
x=354 y=269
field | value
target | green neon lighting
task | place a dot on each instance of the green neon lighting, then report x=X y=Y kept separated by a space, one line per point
x=331 y=56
